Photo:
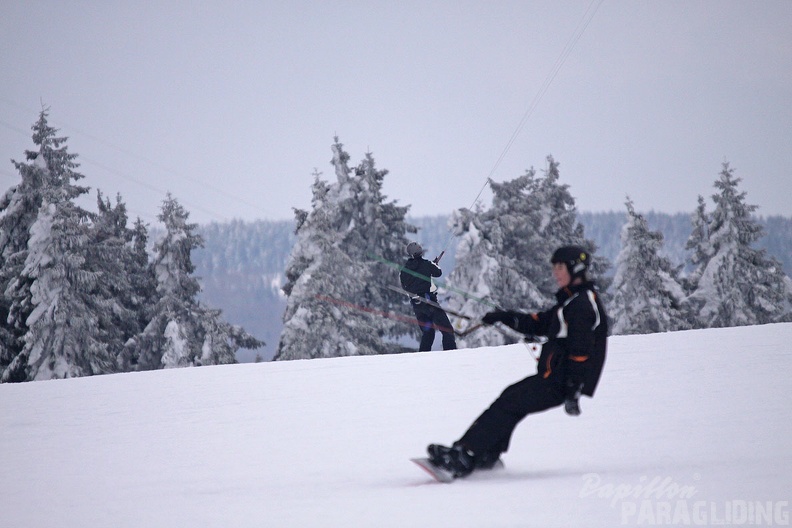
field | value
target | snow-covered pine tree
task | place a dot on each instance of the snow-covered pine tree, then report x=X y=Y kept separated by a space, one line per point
x=379 y=238
x=558 y=227
x=166 y=338
x=733 y=283
x=698 y=242
x=113 y=255
x=141 y=274
x=646 y=295
x=503 y=255
x=336 y=305
x=54 y=296
x=181 y=332
x=496 y=257
x=19 y=209
x=485 y=278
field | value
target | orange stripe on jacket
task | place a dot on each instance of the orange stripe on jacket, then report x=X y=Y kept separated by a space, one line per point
x=548 y=367
x=548 y=363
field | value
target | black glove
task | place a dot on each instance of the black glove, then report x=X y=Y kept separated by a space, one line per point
x=573 y=391
x=498 y=316
x=575 y=374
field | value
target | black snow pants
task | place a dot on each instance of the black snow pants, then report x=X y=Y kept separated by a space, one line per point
x=431 y=318
x=490 y=433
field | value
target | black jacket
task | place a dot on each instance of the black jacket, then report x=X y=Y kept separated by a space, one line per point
x=415 y=275
x=577 y=330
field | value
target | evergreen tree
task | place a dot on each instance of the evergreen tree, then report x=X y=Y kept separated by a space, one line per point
x=484 y=278
x=111 y=255
x=164 y=340
x=733 y=284
x=335 y=300
x=181 y=332
x=142 y=280
x=487 y=267
x=19 y=209
x=559 y=226
x=378 y=238
x=646 y=296
x=54 y=296
x=503 y=255
x=698 y=245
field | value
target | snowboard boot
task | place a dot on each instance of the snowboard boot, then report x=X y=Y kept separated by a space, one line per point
x=457 y=459
x=436 y=453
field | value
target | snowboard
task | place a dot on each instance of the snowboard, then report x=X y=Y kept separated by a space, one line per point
x=437 y=473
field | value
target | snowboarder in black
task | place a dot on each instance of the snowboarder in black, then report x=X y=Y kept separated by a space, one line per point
x=570 y=365
x=416 y=278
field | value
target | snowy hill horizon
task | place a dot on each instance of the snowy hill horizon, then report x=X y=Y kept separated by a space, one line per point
x=687 y=428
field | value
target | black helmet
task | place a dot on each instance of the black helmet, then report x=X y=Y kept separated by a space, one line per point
x=414 y=250
x=575 y=257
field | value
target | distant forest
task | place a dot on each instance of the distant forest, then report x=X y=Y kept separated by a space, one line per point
x=241 y=267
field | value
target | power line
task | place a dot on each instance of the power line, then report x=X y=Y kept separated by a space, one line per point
x=570 y=45
x=125 y=176
x=584 y=22
x=152 y=187
x=139 y=157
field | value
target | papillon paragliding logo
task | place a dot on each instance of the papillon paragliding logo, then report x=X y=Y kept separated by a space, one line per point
x=662 y=501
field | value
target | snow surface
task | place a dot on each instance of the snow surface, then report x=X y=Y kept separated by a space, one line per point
x=690 y=423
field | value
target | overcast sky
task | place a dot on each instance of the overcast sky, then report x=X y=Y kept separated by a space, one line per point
x=232 y=105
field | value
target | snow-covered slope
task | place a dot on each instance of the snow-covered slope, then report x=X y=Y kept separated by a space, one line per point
x=687 y=428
